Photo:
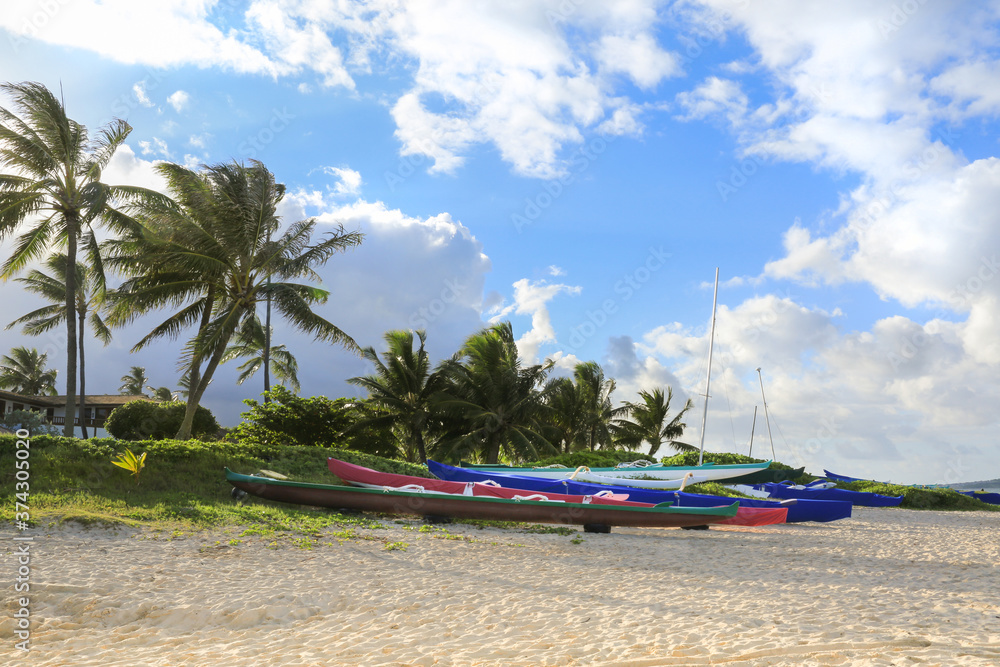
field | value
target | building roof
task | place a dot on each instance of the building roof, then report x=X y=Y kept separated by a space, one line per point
x=91 y=400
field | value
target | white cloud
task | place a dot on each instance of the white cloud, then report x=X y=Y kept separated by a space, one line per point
x=159 y=34
x=430 y=271
x=179 y=100
x=139 y=89
x=199 y=140
x=125 y=168
x=532 y=298
x=155 y=147
x=638 y=56
x=348 y=180
x=715 y=97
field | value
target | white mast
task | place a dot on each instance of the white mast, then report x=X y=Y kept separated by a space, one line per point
x=708 y=379
x=768 y=421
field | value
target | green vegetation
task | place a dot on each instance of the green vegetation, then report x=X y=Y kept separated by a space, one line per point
x=184 y=490
x=147 y=420
x=129 y=461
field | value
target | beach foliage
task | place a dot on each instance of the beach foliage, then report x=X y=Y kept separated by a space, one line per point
x=89 y=297
x=33 y=422
x=404 y=391
x=130 y=462
x=52 y=194
x=494 y=404
x=214 y=253
x=24 y=372
x=150 y=420
x=317 y=421
x=648 y=422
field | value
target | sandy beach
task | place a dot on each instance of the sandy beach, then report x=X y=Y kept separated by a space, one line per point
x=887 y=587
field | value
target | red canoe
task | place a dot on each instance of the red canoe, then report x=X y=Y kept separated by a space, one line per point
x=366 y=477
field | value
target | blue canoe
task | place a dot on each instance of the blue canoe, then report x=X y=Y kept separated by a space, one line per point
x=799 y=511
x=989 y=498
x=863 y=498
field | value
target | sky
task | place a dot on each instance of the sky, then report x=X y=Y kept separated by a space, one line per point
x=581 y=169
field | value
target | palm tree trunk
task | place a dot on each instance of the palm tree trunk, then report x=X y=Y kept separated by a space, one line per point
x=72 y=226
x=83 y=384
x=267 y=345
x=194 y=396
x=421 y=452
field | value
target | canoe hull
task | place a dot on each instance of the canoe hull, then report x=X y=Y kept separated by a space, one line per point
x=465 y=507
x=860 y=498
x=705 y=473
x=821 y=511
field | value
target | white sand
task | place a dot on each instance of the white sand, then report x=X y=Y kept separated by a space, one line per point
x=887 y=587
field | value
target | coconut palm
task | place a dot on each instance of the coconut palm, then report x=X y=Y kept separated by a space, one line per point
x=648 y=422
x=162 y=394
x=51 y=185
x=404 y=390
x=563 y=419
x=496 y=403
x=280 y=361
x=597 y=410
x=210 y=254
x=52 y=287
x=23 y=372
x=134 y=382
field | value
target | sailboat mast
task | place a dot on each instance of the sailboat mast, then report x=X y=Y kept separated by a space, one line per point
x=708 y=378
x=752 y=427
x=766 y=420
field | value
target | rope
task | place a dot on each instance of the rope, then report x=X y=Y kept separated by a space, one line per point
x=416 y=488
x=641 y=463
x=536 y=496
x=578 y=471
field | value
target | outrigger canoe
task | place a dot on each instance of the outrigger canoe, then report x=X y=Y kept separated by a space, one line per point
x=986 y=497
x=708 y=472
x=798 y=511
x=592 y=516
x=819 y=491
x=374 y=479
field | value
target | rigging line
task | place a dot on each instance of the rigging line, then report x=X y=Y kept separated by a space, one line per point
x=729 y=404
x=785 y=442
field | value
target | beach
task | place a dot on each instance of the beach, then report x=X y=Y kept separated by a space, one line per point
x=885 y=587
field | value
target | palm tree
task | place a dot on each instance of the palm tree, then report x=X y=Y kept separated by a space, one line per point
x=564 y=415
x=52 y=185
x=281 y=362
x=649 y=423
x=211 y=255
x=597 y=411
x=88 y=299
x=134 y=382
x=497 y=404
x=162 y=394
x=403 y=389
x=24 y=372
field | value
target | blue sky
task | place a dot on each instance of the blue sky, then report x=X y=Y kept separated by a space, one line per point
x=581 y=168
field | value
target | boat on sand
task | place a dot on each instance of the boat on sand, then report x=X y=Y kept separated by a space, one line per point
x=367 y=478
x=436 y=505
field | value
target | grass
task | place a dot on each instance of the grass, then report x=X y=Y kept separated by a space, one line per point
x=182 y=490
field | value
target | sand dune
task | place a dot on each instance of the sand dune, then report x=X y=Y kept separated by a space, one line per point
x=887 y=587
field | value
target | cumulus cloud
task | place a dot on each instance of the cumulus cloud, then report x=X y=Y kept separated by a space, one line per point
x=179 y=100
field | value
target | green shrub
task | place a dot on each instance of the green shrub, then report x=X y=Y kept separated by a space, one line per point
x=33 y=421
x=146 y=420
x=312 y=422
